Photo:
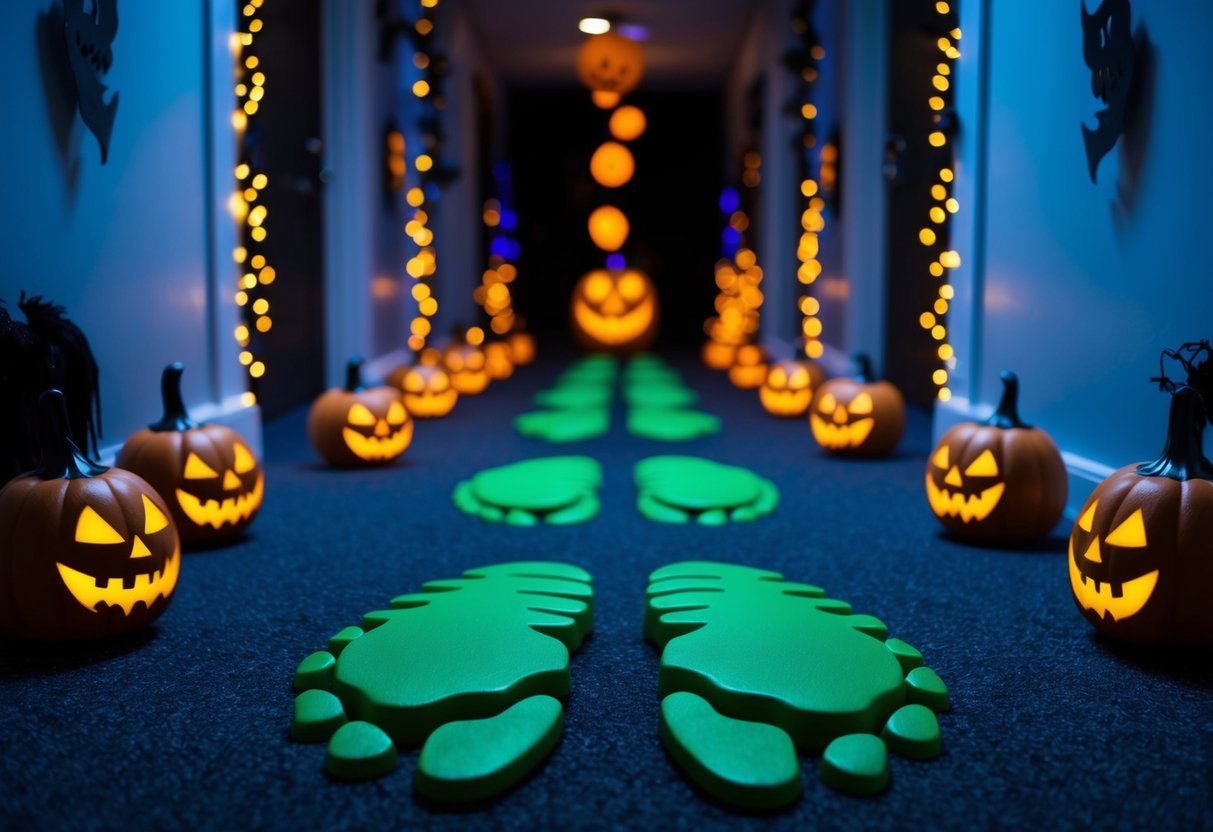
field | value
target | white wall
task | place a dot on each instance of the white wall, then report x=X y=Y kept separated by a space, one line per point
x=1062 y=283
x=127 y=246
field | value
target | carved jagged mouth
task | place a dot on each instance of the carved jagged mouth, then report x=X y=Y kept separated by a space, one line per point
x=146 y=588
x=946 y=503
x=791 y=402
x=833 y=435
x=606 y=84
x=373 y=448
x=614 y=330
x=471 y=382
x=215 y=514
x=436 y=404
x=1104 y=598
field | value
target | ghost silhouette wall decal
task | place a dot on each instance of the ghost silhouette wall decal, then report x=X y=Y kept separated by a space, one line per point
x=1110 y=53
x=90 y=37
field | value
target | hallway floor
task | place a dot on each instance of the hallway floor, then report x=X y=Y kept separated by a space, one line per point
x=1050 y=726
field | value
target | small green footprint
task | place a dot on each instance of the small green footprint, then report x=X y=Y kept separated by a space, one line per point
x=678 y=489
x=665 y=425
x=472 y=668
x=754 y=668
x=558 y=490
x=565 y=425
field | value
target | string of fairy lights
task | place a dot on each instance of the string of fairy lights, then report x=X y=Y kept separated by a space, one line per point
x=246 y=204
x=935 y=235
x=494 y=294
x=812 y=219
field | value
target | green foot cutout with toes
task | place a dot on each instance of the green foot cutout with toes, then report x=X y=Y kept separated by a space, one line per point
x=472 y=669
x=559 y=490
x=755 y=668
x=572 y=425
x=679 y=489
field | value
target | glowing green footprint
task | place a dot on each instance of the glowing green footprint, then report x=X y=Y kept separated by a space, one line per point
x=754 y=668
x=575 y=425
x=678 y=489
x=559 y=490
x=472 y=668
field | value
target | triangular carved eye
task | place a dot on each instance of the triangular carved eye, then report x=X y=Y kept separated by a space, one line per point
x=1088 y=517
x=360 y=415
x=196 y=469
x=153 y=518
x=827 y=404
x=940 y=460
x=244 y=460
x=92 y=528
x=984 y=466
x=396 y=414
x=1130 y=534
x=862 y=405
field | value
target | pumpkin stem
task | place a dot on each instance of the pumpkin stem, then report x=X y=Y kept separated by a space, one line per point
x=1006 y=416
x=1183 y=456
x=353 y=375
x=175 y=417
x=61 y=459
x=863 y=371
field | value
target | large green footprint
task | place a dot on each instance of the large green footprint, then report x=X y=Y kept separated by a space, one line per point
x=754 y=667
x=678 y=489
x=473 y=667
x=558 y=489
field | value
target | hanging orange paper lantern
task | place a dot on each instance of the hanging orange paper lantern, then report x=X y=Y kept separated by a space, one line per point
x=611 y=63
x=609 y=228
x=612 y=165
x=604 y=100
x=628 y=123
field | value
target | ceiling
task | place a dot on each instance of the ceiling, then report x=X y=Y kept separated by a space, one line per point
x=690 y=44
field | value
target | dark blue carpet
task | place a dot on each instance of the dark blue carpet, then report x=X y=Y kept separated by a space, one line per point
x=185 y=726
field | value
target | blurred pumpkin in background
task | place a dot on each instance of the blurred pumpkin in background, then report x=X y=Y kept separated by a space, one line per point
x=354 y=425
x=615 y=310
x=858 y=416
x=789 y=387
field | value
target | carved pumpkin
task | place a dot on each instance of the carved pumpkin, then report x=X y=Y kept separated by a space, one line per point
x=465 y=364
x=610 y=63
x=858 y=416
x=206 y=473
x=1141 y=553
x=87 y=551
x=749 y=368
x=359 y=426
x=428 y=393
x=522 y=348
x=1001 y=480
x=615 y=310
x=789 y=387
x=717 y=355
x=498 y=360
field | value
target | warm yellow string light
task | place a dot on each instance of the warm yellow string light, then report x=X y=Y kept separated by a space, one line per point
x=244 y=203
x=424 y=263
x=493 y=293
x=945 y=205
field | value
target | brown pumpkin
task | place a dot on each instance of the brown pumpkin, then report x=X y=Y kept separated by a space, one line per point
x=87 y=551
x=789 y=387
x=610 y=63
x=355 y=425
x=465 y=364
x=206 y=473
x=1141 y=554
x=615 y=310
x=999 y=481
x=749 y=368
x=428 y=393
x=858 y=416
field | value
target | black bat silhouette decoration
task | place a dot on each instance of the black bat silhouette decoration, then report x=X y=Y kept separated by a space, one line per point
x=1109 y=51
x=90 y=37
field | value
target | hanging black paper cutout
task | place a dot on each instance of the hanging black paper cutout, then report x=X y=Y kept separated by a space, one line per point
x=90 y=38
x=1109 y=51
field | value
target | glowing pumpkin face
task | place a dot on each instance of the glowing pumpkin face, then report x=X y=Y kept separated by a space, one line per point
x=465 y=364
x=87 y=551
x=999 y=481
x=357 y=426
x=789 y=385
x=615 y=310
x=428 y=393
x=207 y=474
x=610 y=63
x=857 y=417
x=749 y=368
x=718 y=356
x=1141 y=554
x=498 y=361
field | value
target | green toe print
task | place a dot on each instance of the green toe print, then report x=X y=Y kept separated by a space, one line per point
x=754 y=667
x=473 y=669
x=679 y=489
x=559 y=490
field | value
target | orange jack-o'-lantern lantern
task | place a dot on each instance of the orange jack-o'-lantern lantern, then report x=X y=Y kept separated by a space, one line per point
x=610 y=63
x=749 y=368
x=522 y=348
x=206 y=473
x=465 y=364
x=858 y=416
x=355 y=425
x=718 y=356
x=427 y=389
x=1141 y=554
x=789 y=387
x=615 y=310
x=498 y=360
x=85 y=551
x=1001 y=481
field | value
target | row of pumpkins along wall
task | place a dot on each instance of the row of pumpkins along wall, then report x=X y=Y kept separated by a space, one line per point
x=91 y=551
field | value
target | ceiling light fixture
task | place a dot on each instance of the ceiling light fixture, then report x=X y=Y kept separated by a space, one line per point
x=594 y=25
